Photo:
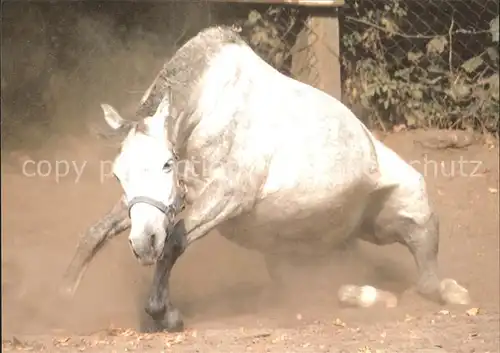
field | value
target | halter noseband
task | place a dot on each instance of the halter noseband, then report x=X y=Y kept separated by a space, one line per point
x=150 y=201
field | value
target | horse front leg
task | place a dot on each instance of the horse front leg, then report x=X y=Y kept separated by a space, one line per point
x=112 y=224
x=159 y=306
x=211 y=208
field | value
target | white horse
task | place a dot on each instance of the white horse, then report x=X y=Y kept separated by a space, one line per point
x=276 y=166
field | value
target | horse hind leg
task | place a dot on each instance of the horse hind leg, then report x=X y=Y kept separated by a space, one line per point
x=402 y=214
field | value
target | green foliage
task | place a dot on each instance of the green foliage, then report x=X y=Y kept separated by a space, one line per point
x=267 y=31
x=425 y=88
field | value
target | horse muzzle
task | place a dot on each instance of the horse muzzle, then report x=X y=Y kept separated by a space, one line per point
x=145 y=250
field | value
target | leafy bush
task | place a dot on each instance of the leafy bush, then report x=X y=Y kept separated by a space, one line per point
x=432 y=85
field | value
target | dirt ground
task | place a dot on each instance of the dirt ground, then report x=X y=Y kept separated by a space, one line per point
x=218 y=286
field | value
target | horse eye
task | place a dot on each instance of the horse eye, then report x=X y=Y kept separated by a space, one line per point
x=167 y=167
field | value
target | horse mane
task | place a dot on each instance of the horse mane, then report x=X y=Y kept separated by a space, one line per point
x=183 y=71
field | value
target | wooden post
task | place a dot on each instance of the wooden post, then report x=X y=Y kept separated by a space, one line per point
x=317 y=59
x=326 y=47
x=315 y=3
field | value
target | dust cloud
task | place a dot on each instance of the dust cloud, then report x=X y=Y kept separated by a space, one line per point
x=59 y=62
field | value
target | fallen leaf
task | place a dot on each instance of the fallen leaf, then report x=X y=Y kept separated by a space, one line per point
x=472 y=311
x=399 y=128
x=179 y=338
x=61 y=341
x=338 y=322
x=444 y=312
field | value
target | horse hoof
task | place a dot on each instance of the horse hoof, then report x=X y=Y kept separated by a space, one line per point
x=156 y=310
x=172 y=322
x=453 y=293
x=365 y=296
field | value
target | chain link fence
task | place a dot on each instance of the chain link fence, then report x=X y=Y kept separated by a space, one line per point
x=404 y=62
x=422 y=63
x=419 y=63
x=295 y=42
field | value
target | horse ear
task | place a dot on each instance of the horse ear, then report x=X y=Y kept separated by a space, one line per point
x=119 y=125
x=113 y=118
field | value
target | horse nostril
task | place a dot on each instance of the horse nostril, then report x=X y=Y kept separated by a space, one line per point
x=152 y=240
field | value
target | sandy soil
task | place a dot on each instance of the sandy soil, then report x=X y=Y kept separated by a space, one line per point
x=218 y=286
